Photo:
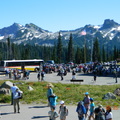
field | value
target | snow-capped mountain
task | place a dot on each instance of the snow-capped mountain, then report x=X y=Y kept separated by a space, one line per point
x=108 y=34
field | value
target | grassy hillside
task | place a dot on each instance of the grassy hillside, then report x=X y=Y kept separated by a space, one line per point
x=70 y=93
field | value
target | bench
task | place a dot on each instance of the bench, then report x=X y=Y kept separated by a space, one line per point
x=75 y=80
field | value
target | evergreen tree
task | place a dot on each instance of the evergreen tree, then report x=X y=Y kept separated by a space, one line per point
x=78 y=59
x=59 y=49
x=96 y=51
x=70 y=49
x=8 y=49
x=85 y=49
x=103 y=54
x=54 y=53
x=115 y=53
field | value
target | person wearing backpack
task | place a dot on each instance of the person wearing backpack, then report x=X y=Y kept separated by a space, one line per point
x=53 y=114
x=81 y=110
x=86 y=101
x=16 y=96
x=63 y=111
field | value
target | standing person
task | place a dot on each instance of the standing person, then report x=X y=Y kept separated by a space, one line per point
x=99 y=113
x=53 y=99
x=81 y=110
x=86 y=101
x=52 y=114
x=73 y=74
x=49 y=92
x=16 y=96
x=63 y=111
x=95 y=74
x=38 y=76
x=13 y=89
x=42 y=75
x=92 y=106
x=61 y=73
x=108 y=114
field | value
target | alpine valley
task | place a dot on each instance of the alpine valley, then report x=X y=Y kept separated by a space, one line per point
x=108 y=35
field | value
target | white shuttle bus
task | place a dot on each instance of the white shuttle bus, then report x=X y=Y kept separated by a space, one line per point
x=31 y=65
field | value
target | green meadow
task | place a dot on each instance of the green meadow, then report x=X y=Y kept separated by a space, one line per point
x=70 y=93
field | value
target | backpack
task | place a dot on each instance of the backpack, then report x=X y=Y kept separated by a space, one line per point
x=65 y=110
x=81 y=109
x=86 y=100
x=20 y=95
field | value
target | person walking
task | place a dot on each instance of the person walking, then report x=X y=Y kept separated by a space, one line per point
x=49 y=92
x=86 y=101
x=108 y=114
x=81 y=110
x=92 y=106
x=13 y=89
x=52 y=114
x=16 y=95
x=63 y=111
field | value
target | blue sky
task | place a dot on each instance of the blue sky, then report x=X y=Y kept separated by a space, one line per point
x=55 y=15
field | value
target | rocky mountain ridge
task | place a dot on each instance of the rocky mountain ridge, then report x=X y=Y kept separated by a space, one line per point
x=108 y=34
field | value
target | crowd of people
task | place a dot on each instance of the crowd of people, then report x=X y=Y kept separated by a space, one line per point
x=85 y=108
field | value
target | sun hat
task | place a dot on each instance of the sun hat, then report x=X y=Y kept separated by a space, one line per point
x=87 y=93
x=99 y=105
x=50 y=85
x=62 y=102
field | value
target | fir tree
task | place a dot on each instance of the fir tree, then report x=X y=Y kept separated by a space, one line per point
x=70 y=49
x=59 y=49
x=96 y=51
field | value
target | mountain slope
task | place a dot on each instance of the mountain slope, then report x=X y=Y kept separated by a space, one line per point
x=108 y=33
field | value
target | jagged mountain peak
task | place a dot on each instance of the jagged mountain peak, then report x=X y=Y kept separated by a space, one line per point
x=109 y=24
x=11 y=29
x=35 y=27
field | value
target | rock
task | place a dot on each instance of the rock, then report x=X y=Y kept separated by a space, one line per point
x=117 y=92
x=109 y=96
x=5 y=91
x=30 y=88
x=7 y=84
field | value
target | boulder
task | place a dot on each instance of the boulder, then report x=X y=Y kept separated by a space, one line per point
x=109 y=96
x=117 y=92
x=30 y=88
x=7 y=84
x=5 y=91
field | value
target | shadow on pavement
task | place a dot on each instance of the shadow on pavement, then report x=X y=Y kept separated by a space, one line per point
x=5 y=105
x=36 y=117
x=7 y=113
x=37 y=107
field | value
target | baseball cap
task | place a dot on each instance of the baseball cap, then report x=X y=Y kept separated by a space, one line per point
x=87 y=93
x=62 y=102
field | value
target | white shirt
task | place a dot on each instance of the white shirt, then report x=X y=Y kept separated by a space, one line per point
x=110 y=115
x=13 y=88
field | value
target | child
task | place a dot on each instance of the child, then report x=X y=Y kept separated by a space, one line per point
x=92 y=106
x=53 y=114
x=63 y=111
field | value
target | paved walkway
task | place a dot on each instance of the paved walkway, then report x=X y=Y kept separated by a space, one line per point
x=88 y=80
x=39 y=112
